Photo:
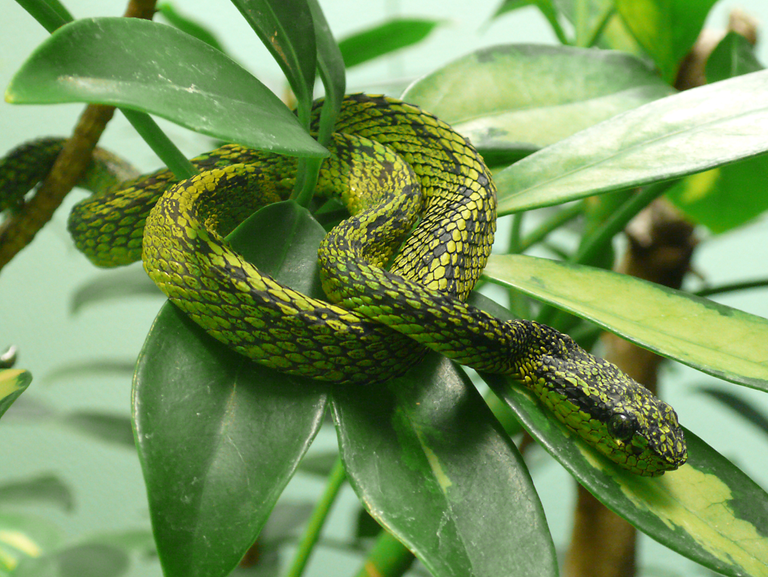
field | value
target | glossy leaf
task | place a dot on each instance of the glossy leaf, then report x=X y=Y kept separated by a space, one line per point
x=45 y=488
x=708 y=510
x=713 y=338
x=13 y=382
x=733 y=56
x=85 y=560
x=286 y=29
x=446 y=479
x=188 y=25
x=384 y=38
x=666 y=29
x=160 y=70
x=527 y=94
x=678 y=135
x=218 y=435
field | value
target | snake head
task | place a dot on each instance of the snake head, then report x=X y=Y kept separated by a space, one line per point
x=593 y=398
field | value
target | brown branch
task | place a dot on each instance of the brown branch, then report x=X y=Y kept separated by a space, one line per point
x=18 y=230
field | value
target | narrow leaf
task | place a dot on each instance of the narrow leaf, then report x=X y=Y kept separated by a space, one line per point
x=13 y=382
x=681 y=134
x=219 y=436
x=384 y=38
x=713 y=338
x=158 y=69
x=436 y=444
x=708 y=510
x=528 y=94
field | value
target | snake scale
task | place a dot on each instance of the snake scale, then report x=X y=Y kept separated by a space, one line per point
x=396 y=273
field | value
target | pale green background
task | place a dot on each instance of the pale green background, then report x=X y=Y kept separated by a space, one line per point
x=36 y=289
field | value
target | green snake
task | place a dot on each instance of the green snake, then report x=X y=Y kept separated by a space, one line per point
x=396 y=273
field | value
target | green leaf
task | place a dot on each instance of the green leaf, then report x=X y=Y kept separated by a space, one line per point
x=85 y=560
x=158 y=69
x=188 y=25
x=286 y=29
x=708 y=510
x=446 y=479
x=588 y=18
x=742 y=408
x=384 y=38
x=13 y=382
x=118 y=368
x=724 y=198
x=113 y=429
x=678 y=135
x=525 y=94
x=219 y=436
x=45 y=488
x=666 y=29
x=713 y=338
x=546 y=7
x=733 y=56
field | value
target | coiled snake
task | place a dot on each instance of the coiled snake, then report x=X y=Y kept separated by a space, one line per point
x=401 y=172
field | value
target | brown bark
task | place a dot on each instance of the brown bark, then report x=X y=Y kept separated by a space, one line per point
x=18 y=230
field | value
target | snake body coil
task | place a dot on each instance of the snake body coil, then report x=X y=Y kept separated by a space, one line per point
x=402 y=173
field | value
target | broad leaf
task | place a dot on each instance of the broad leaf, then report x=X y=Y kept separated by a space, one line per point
x=666 y=29
x=678 y=135
x=13 y=382
x=219 y=436
x=445 y=479
x=534 y=95
x=199 y=87
x=713 y=338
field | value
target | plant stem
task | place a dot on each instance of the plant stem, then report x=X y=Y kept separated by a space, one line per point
x=171 y=156
x=317 y=520
x=737 y=286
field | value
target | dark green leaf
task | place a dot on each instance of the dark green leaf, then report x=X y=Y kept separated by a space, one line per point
x=446 y=480
x=218 y=435
x=678 y=135
x=524 y=95
x=384 y=38
x=733 y=56
x=13 y=382
x=188 y=25
x=87 y=560
x=46 y=488
x=666 y=29
x=286 y=29
x=708 y=336
x=158 y=69
x=114 y=429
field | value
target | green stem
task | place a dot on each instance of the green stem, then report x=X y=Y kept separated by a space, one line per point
x=50 y=15
x=317 y=520
x=597 y=241
x=161 y=145
x=605 y=18
x=387 y=558
x=737 y=286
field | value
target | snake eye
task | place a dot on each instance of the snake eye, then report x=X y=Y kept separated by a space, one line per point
x=621 y=427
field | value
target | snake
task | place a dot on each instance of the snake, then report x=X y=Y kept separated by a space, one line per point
x=396 y=272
